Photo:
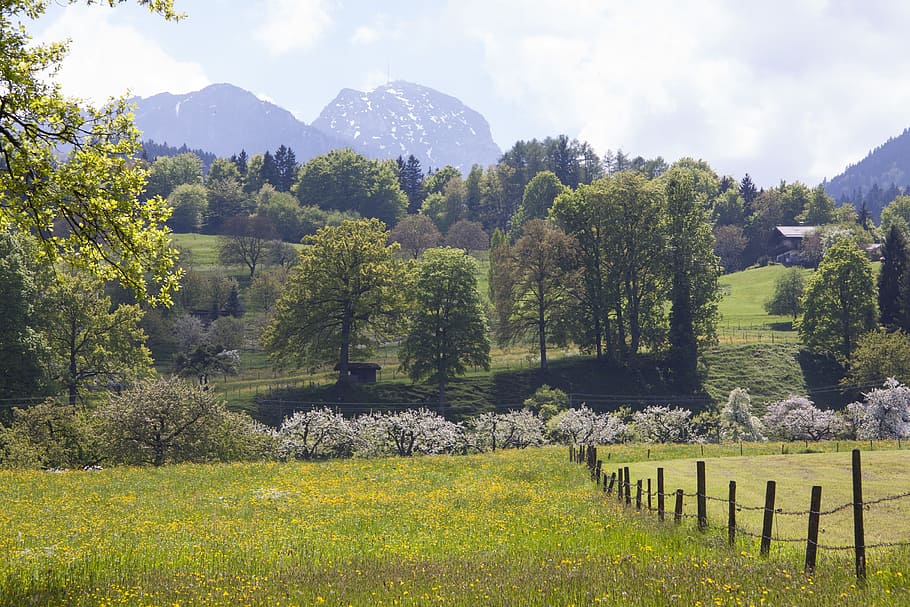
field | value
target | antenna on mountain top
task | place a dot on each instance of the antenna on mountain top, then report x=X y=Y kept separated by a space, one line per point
x=388 y=77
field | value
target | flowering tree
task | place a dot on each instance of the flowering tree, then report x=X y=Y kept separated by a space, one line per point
x=517 y=429
x=659 y=424
x=313 y=434
x=884 y=412
x=797 y=418
x=584 y=427
x=737 y=421
x=406 y=433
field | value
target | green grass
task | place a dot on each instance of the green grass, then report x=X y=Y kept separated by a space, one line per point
x=511 y=528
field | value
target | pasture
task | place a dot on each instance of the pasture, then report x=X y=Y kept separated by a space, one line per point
x=509 y=528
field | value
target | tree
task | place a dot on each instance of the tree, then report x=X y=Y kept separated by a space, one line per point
x=884 y=412
x=23 y=350
x=405 y=433
x=538 y=197
x=93 y=344
x=246 y=241
x=729 y=243
x=168 y=420
x=468 y=236
x=515 y=429
x=347 y=291
x=286 y=168
x=66 y=168
x=894 y=273
x=694 y=292
x=206 y=359
x=540 y=276
x=819 y=208
x=313 y=434
x=416 y=234
x=839 y=301
x=787 y=299
x=583 y=426
x=896 y=213
x=283 y=210
x=226 y=196
x=190 y=204
x=748 y=191
x=447 y=332
x=410 y=179
x=169 y=172
x=736 y=419
x=878 y=355
x=797 y=418
x=447 y=207
x=659 y=424
x=346 y=181
x=49 y=435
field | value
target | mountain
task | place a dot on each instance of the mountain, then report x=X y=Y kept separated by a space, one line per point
x=877 y=178
x=402 y=118
x=224 y=119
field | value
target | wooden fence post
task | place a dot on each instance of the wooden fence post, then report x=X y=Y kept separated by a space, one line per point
x=628 y=486
x=660 y=494
x=859 y=534
x=731 y=514
x=677 y=513
x=700 y=496
x=769 y=518
x=815 y=506
x=649 y=495
x=619 y=486
x=638 y=494
x=596 y=473
x=609 y=488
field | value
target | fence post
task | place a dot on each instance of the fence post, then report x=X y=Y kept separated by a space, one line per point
x=769 y=518
x=815 y=506
x=677 y=513
x=660 y=494
x=571 y=453
x=609 y=488
x=649 y=495
x=700 y=497
x=731 y=514
x=638 y=494
x=628 y=486
x=859 y=539
x=597 y=470
x=619 y=486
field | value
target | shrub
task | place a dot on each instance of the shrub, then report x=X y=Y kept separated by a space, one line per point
x=797 y=418
x=49 y=435
x=658 y=424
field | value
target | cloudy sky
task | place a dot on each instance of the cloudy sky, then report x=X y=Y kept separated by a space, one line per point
x=781 y=89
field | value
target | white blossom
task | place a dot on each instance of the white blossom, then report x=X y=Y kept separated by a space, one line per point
x=884 y=412
x=659 y=424
x=737 y=421
x=585 y=427
x=314 y=433
x=797 y=418
x=517 y=429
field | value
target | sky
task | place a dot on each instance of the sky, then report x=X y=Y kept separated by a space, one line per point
x=780 y=89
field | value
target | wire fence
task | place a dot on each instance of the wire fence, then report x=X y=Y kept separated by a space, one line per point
x=620 y=484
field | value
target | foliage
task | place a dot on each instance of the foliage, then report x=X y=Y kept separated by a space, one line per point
x=246 y=241
x=515 y=429
x=23 y=350
x=797 y=418
x=406 y=433
x=839 y=301
x=787 y=299
x=897 y=213
x=582 y=426
x=189 y=204
x=537 y=199
x=66 y=168
x=729 y=243
x=547 y=402
x=736 y=419
x=167 y=173
x=167 y=420
x=93 y=344
x=467 y=235
x=447 y=331
x=878 y=355
x=537 y=279
x=313 y=434
x=49 y=435
x=416 y=234
x=204 y=360
x=346 y=181
x=894 y=280
x=347 y=291
x=660 y=424
x=884 y=412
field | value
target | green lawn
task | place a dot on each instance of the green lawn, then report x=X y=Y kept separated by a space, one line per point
x=511 y=528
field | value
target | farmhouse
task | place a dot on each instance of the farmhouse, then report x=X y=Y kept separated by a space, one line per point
x=787 y=240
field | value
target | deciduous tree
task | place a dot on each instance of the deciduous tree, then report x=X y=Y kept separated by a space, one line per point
x=787 y=299
x=416 y=234
x=347 y=291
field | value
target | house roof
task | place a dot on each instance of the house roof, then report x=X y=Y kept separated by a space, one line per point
x=355 y=367
x=795 y=231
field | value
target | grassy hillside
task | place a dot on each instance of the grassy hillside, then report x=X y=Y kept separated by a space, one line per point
x=511 y=528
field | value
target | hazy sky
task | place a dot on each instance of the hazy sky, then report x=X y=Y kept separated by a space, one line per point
x=786 y=89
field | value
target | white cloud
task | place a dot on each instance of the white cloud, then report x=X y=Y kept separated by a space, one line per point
x=293 y=25
x=778 y=89
x=114 y=59
x=365 y=35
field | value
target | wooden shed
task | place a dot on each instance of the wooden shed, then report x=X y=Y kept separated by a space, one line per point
x=362 y=373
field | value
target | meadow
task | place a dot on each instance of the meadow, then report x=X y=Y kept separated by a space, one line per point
x=508 y=528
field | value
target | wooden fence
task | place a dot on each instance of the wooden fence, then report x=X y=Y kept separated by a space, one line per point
x=620 y=484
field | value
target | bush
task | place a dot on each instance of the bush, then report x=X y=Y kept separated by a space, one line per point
x=585 y=427
x=49 y=435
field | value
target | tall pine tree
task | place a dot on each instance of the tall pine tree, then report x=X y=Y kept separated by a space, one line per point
x=891 y=278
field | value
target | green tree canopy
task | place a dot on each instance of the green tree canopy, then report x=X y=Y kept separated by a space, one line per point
x=347 y=292
x=787 y=299
x=897 y=212
x=878 y=355
x=416 y=234
x=447 y=332
x=168 y=172
x=893 y=279
x=190 y=203
x=839 y=301
x=344 y=180
x=538 y=197
x=84 y=204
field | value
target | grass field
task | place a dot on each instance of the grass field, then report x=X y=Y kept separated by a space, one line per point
x=510 y=528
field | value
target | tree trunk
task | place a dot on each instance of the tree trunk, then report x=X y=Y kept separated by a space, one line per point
x=345 y=355
x=442 y=395
x=73 y=368
x=542 y=334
